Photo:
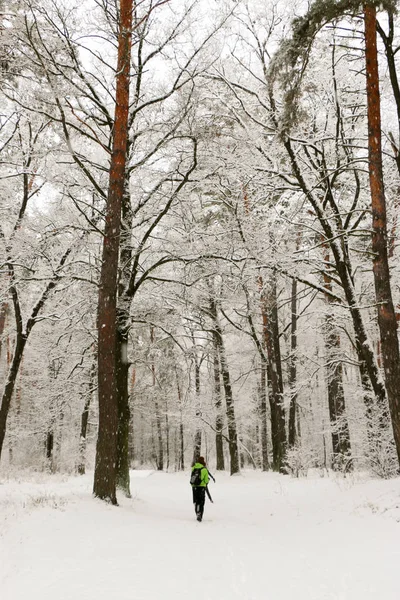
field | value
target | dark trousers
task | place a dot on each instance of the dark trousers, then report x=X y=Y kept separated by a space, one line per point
x=199 y=498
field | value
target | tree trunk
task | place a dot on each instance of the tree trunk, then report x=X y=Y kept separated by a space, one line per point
x=197 y=435
x=3 y=318
x=219 y=420
x=181 y=465
x=10 y=385
x=105 y=476
x=124 y=414
x=82 y=440
x=84 y=422
x=132 y=445
x=336 y=401
x=263 y=416
x=160 y=453
x=386 y=314
x=271 y=340
x=226 y=380
x=182 y=447
x=293 y=368
x=167 y=433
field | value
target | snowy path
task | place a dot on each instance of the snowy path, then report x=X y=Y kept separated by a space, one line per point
x=265 y=537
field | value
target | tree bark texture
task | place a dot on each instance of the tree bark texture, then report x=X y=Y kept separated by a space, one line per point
x=159 y=448
x=386 y=313
x=336 y=401
x=219 y=420
x=105 y=476
x=226 y=380
x=10 y=385
x=181 y=462
x=197 y=435
x=271 y=341
x=293 y=368
x=124 y=413
x=85 y=420
x=263 y=415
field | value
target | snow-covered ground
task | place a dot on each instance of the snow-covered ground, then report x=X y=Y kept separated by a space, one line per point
x=266 y=537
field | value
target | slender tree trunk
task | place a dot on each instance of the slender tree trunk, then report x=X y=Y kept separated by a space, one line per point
x=219 y=419
x=263 y=416
x=386 y=313
x=82 y=440
x=182 y=446
x=50 y=446
x=293 y=368
x=10 y=385
x=105 y=476
x=271 y=340
x=167 y=433
x=226 y=380
x=122 y=337
x=124 y=413
x=197 y=435
x=132 y=440
x=160 y=446
x=181 y=465
x=336 y=401
x=84 y=421
x=3 y=318
x=160 y=453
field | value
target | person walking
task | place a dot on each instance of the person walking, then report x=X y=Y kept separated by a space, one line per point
x=199 y=480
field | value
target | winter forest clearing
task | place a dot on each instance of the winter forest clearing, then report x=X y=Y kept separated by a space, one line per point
x=266 y=536
x=199 y=242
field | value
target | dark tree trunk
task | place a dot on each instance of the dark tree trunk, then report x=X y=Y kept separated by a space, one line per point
x=219 y=419
x=271 y=340
x=197 y=435
x=182 y=447
x=124 y=413
x=3 y=318
x=167 y=433
x=263 y=416
x=159 y=450
x=49 y=445
x=336 y=400
x=84 y=422
x=82 y=440
x=386 y=314
x=226 y=380
x=293 y=368
x=160 y=445
x=10 y=385
x=132 y=445
x=105 y=476
x=181 y=465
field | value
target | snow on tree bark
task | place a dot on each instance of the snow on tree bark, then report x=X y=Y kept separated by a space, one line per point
x=386 y=314
x=105 y=475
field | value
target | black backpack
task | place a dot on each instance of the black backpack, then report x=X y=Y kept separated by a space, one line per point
x=195 y=477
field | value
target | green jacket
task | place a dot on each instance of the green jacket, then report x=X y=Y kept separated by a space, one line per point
x=204 y=474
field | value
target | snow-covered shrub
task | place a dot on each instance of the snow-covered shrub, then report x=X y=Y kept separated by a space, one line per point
x=300 y=459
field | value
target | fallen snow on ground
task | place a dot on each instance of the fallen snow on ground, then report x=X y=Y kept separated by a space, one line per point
x=266 y=537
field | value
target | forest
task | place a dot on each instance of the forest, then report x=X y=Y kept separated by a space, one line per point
x=199 y=237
